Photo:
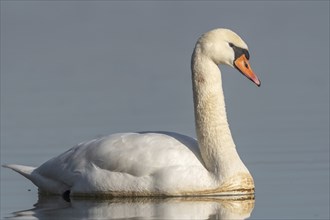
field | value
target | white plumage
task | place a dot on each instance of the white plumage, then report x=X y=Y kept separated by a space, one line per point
x=162 y=163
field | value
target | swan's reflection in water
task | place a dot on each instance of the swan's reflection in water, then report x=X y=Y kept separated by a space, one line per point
x=52 y=207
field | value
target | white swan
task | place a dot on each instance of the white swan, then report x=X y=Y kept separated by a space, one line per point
x=163 y=163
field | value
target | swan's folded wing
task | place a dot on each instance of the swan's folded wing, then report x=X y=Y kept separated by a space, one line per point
x=137 y=154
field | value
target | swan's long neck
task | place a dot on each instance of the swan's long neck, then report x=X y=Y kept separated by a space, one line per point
x=214 y=137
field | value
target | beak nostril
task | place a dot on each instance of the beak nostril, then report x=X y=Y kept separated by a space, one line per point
x=246 y=65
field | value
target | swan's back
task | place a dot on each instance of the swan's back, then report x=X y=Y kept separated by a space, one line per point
x=137 y=154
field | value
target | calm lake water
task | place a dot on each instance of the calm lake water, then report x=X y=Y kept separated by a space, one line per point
x=69 y=74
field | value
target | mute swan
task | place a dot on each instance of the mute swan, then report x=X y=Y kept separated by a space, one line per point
x=163 y=163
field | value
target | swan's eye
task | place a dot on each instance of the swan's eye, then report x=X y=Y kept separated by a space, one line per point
x=239 y=51
x=246 y=52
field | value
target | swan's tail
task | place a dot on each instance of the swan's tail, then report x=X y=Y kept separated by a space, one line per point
x=44 y=183
x=23 y=170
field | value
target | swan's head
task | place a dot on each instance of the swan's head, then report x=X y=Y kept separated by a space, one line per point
x=224 y=46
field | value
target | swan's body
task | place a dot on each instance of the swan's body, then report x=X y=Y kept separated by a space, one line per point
x=163 y=163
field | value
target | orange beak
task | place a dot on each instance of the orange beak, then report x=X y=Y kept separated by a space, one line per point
x=243 y=65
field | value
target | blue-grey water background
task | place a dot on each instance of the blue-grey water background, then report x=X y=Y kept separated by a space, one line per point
x=74 y=70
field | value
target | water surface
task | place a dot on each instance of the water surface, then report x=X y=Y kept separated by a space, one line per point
x=53 y=207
